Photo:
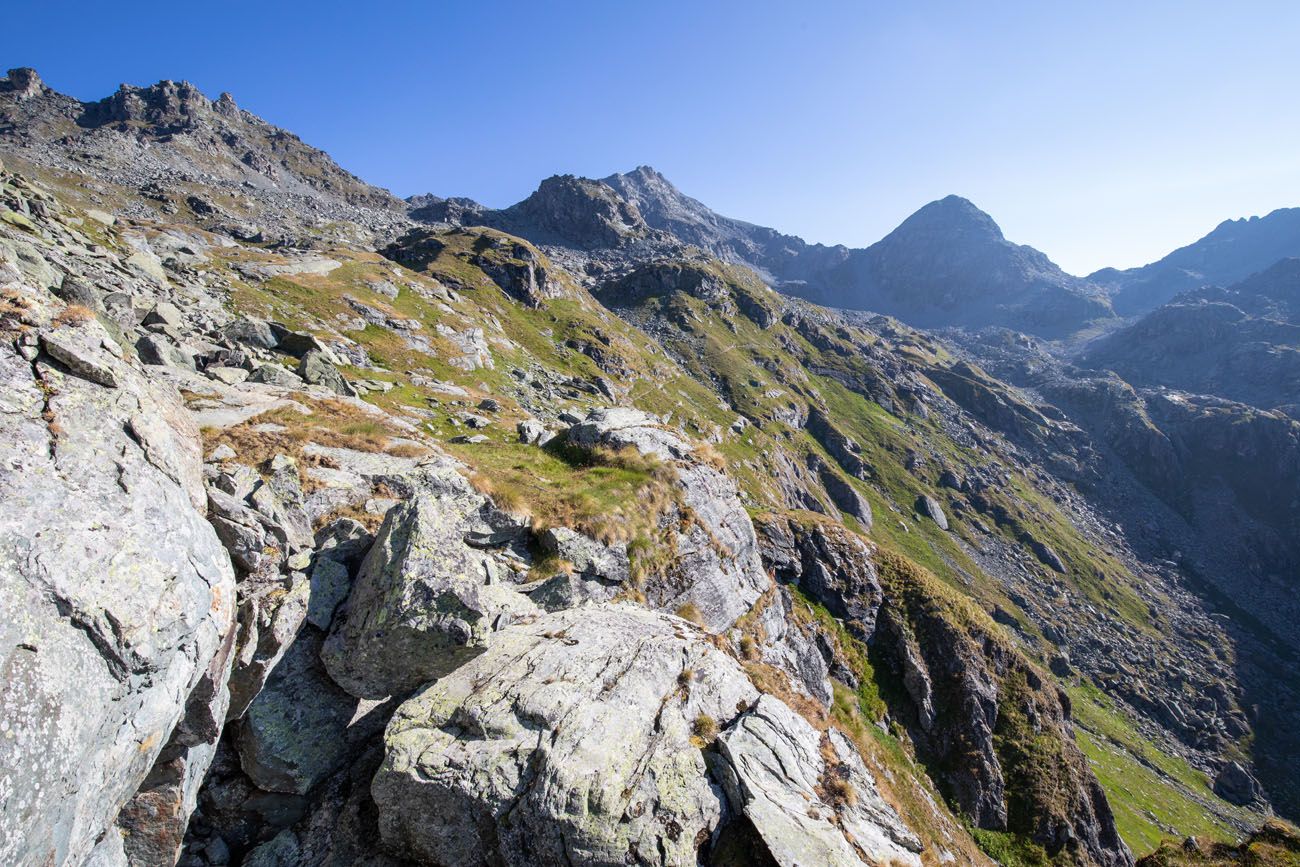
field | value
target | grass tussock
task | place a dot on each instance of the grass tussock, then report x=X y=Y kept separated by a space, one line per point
x=357 y=512
x=73 y=314
x=704 y=730
x=330 y=423
x=612 y=496
x=690 y=611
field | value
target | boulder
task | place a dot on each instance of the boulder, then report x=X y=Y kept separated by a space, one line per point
x=930 y=508
x=299 y=343
x=620 y=427
x=299 y=729
x=157 y=349
x=316 y=369
x=272 y=609
x=845 y=497
x=590 y=559
x=568 y=742
x=164 y=313
x=1237 y=785
x=227 y=375
x=86 y=350
x=275 y=374
x=533 y=432
x=426 y=600
x=247 y=331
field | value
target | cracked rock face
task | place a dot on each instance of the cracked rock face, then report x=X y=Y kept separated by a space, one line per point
x=115 y=594
x=568 y=741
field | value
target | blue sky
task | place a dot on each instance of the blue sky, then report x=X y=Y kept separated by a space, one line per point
x=1103 y=133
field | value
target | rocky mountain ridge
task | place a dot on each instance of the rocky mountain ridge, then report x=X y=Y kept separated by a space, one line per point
x=1241 y=342
x=947 y=264
x=876 y=606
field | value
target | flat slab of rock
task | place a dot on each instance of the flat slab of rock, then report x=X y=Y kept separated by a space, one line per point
x=568 y=742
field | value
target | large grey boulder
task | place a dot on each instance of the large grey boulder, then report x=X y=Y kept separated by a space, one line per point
x=622 y=427
x=115 y=593
x=247 y=331
x=316 y=369
x=430 y=592
x=568 y=742
x=930 y=508
x=806 y=809
x=1237 y=785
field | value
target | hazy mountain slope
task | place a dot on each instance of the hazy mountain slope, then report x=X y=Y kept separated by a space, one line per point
x=949 y=264
x=1241 y=342
x=1234 y=250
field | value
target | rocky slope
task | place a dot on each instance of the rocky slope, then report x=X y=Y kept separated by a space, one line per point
x=167 y=151
x=395 y=544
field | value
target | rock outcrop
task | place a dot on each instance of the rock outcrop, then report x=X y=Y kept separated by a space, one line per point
x=430 y=592
x=118 y=598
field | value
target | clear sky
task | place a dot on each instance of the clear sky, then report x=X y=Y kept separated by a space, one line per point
x=1104 y=133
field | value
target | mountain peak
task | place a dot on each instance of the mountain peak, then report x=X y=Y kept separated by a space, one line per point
x=953 y=214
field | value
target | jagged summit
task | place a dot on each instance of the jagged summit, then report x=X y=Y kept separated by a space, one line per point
x=163 y=108
x=153 y=141
x=24 y=82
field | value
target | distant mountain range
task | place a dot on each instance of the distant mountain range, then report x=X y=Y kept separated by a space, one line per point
x=948 y=264
x=1234 y=250
x=1242 y=342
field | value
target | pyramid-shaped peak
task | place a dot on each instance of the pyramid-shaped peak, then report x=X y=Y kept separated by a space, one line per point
x=952 y=214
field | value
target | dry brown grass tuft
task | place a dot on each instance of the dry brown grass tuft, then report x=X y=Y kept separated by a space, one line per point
x=690 y=611
x=705 y=728
x=775 y=682
x=357 y=512
x=73 y=314
x=705 y=453
x=332 y=423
